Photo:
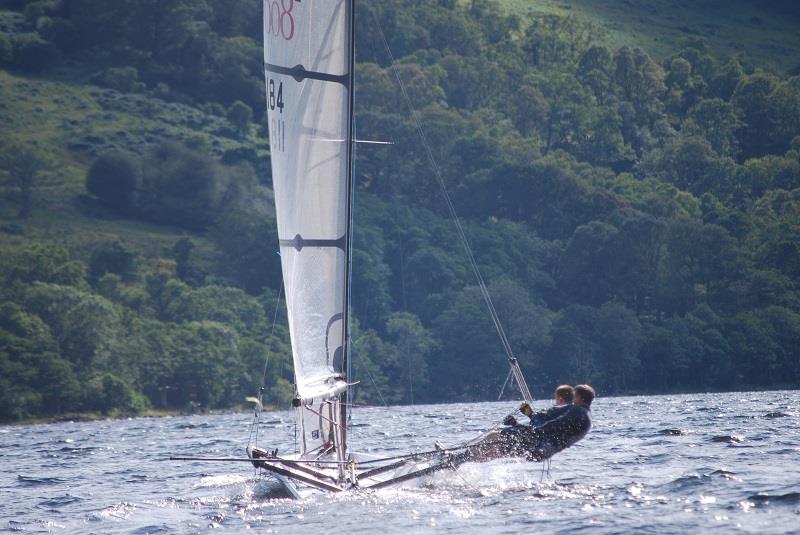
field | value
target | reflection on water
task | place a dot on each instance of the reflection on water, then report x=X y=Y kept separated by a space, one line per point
x=650 y=465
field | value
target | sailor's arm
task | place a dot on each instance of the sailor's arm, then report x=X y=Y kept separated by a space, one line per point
x=524 y=409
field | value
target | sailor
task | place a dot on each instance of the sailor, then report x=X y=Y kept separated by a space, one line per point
x=539 y=443
x=563 y=398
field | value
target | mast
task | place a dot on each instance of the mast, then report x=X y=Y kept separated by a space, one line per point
x=308 y=62
x=351 y=62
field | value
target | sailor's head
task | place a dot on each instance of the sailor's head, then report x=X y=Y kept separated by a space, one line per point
x=584 y=395
x=564 y=395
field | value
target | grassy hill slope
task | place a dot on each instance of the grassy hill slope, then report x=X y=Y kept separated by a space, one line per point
x=73 y=123
x=766 y=33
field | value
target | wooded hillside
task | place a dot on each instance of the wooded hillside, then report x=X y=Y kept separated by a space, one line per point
x=635 y=213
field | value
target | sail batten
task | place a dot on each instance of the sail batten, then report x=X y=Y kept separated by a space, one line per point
x=300 y=73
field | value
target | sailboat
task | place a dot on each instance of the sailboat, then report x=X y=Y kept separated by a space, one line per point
x=309 y=60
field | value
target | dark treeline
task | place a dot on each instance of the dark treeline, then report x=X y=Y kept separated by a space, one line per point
x=637 y=221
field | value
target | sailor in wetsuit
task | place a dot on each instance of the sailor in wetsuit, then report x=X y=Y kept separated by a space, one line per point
x=563 y=398
x=539 y=443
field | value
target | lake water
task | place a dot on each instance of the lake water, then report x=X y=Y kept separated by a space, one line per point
x=722 y=463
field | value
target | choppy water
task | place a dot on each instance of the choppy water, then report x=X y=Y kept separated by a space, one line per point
x=663 y=464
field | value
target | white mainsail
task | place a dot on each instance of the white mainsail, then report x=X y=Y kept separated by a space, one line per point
x=308 y=66
x=308 y=63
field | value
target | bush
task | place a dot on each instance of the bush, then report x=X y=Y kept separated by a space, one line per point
x=108 y=394
x=59 y=31
x=34 y=54
x=37 y=9
x=240 y=114
x=239 y=154
x=123 y=79
x=113 y=257
x=114 y=178
x=6 y=50
x=182 y=187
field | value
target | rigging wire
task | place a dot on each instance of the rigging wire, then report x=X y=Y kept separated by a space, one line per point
x=371 y=378
x=405 y=309
x=517 y=372
x=254 y=425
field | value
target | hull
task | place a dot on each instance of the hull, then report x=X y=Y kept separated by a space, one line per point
x=301 y=478
x=305 y=474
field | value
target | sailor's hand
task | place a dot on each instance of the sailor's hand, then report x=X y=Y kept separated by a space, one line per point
x=509 y=420
x=525 y=409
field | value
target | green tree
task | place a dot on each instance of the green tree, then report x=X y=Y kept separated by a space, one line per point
x=35 y=379
x=572 y=356
x=113 y=257
x=568 y=117
x=775 y=235
x=764 y=346
x=235 y=17
x=698 y=262
x=531 y=109
x=754 y=102
x=619 y=339
x=43 y=262
x=115 y=178
x=588 y=269
x=86 y=327
x=208 y=371
x=680 y=71
x=228 y=306
x=770 y=172
x=181 y=187
x=594 y=70
x=640 y=81
x=34 y=54
x=413 y=345
x=371 y=359
x=252 y=258
x=547 y=193
x=25 y=166
x=240 y=114
x=470 y=363
x=555 y=41
x=472 y=82
x=111 y=394
x=691 y=164
x=688 y=352
x=724 y=83
x=717 y=122
x=371 y=296
x=186 y=267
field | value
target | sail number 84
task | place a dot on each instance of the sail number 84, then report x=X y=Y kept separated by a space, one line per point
x=275 y=99
x=277 y=126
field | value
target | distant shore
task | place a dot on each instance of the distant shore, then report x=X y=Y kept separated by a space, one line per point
x=150 y=413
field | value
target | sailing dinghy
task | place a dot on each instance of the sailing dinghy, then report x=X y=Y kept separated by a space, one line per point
x=309 y=59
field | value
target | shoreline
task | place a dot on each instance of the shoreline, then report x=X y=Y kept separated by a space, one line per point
x=150 y=413
x=239 y=409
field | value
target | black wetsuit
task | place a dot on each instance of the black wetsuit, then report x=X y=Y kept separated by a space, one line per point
x=542 y=417
x=539 y=443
